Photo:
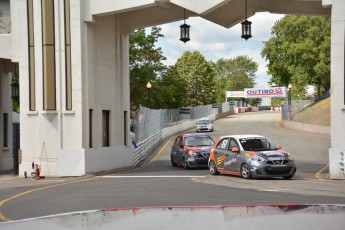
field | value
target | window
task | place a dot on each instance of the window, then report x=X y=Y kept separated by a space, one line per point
x=125 y=127
x=178 y=141
x=68 y=55
x=223 y=144
x=106 y=126
x=48 y=49
x=233 y=144
x=90 y=128
x=5 y=130
x=30 y=14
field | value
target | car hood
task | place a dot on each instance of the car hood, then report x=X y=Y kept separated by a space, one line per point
x=200 y=149
x=274 y=153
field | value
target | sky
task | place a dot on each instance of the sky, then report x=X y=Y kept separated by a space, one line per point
x=215 y=42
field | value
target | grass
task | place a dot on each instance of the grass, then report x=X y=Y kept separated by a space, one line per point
x=317 y=113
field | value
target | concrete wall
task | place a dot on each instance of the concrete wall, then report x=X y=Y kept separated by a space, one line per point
x=309 y=128
x=297 y=217
x=6 y=156
x=5 y=46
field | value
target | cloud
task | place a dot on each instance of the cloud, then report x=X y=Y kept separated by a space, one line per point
x=216 y=42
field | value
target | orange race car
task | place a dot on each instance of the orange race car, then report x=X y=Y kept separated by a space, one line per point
x=250 y=156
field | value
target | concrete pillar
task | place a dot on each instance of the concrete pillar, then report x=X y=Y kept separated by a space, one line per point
x=336 y=152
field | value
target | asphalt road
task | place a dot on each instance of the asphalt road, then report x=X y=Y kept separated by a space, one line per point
x=160 y=184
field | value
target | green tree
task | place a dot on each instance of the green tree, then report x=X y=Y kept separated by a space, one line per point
x=234 y=74
x=170 y=92
x=198 y=77
x=299 y=53
x=145 y=63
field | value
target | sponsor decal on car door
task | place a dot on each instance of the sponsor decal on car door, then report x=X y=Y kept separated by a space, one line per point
x=220 y=153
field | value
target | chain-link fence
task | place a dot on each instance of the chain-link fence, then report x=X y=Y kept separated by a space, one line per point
x=148 y=122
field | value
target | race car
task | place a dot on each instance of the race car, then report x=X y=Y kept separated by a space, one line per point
x=250 y=156
x=191 y=150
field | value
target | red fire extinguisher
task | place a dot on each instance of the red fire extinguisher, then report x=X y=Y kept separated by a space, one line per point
x=37 y=169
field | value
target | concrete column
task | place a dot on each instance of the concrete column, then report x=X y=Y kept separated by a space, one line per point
x=336 y=152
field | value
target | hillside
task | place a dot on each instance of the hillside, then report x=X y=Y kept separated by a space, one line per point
x=317 y=113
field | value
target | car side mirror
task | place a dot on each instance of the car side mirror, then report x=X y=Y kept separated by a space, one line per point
x=235 y=150
x=279 y=147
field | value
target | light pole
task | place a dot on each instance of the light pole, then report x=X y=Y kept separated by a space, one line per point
x=148 y=87
x=289 y=101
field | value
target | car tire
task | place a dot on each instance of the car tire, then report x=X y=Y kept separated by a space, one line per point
x=245 y=171
x=213 y=168
x=185 y=164
x=173 y=163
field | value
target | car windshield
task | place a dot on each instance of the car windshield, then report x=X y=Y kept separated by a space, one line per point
x=204 y=122
x=199 y=141
x=257 y=144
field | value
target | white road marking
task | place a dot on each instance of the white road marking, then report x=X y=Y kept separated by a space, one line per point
x=153 y=176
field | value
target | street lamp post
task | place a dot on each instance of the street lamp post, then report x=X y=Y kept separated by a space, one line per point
x=289 y=101
x=148 y=87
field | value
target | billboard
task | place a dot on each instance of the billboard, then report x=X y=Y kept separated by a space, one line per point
x=265 y=92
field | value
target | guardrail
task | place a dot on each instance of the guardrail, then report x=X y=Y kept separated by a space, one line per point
x=145 y=147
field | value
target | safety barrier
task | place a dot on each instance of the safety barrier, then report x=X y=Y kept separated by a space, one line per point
x=145 y=147
x=286 y=217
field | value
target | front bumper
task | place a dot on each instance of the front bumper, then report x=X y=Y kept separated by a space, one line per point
x=203 y=129
x=270 y=171
x=197 y=162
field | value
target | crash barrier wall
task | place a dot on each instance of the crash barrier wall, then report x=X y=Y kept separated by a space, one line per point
x=316 y=129
x=80 y=162
x=240 y=110
x=297 y=217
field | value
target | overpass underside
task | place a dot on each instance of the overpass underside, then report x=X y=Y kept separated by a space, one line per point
x=74 y=72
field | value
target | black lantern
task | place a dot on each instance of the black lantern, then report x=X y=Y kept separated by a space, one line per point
x=246 y=27
x=184 y=36
x=15 y=91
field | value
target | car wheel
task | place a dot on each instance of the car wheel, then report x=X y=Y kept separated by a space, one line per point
x=245 y=171
x=185 y=163
x=213 y=168
x=173 y=163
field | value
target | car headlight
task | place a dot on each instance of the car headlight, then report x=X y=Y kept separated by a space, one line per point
x=192 y=153
x=258 y=158
x=290 y=157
